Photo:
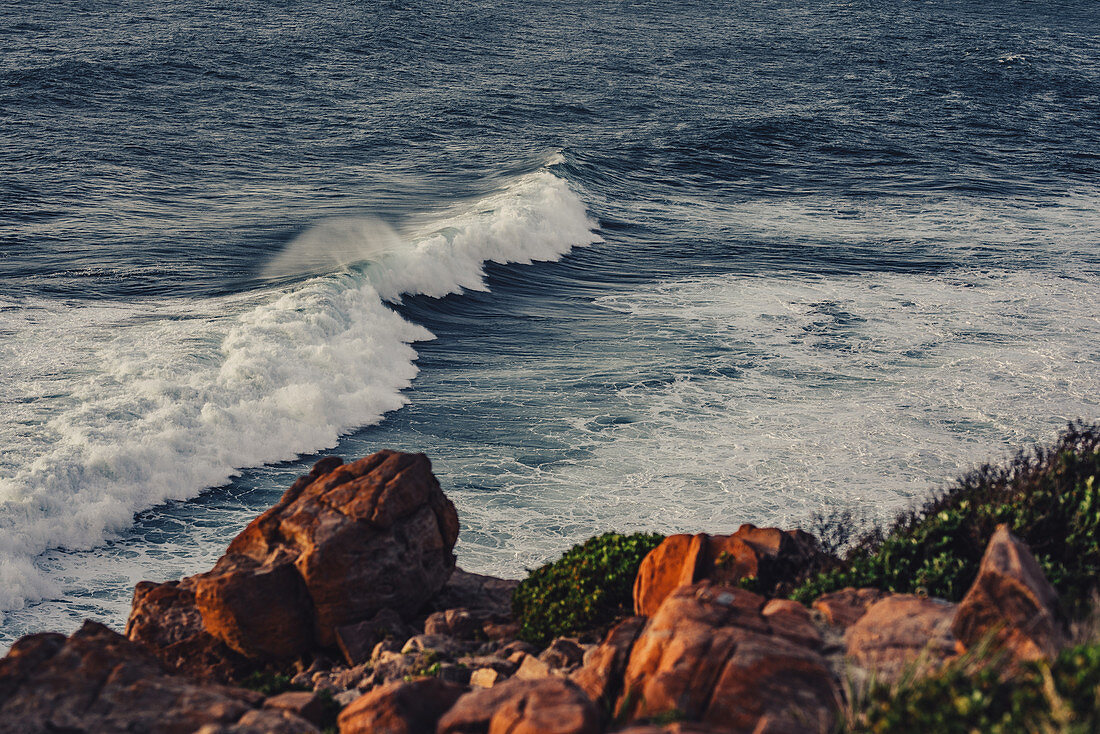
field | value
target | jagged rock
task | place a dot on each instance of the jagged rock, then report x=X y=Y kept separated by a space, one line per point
x=844 y=608
x=400 y=708
x=546 y=706
x=486 y=678
x=1012 y=601
x=98 y=681
x=602 y=675
x=343 y=543
x=460 y=623
x=902 y=630
x=441 y=644
x=709 y=654
x=531 y=668
x=773 y=557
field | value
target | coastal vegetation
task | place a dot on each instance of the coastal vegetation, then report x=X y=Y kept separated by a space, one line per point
x=1048 y=496
x=585 y=590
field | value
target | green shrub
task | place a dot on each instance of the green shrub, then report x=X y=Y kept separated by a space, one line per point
x=1049 y=497
x=587 y=589
x=975 y=695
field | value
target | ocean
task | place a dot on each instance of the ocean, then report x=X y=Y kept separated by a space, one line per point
x=611 y=265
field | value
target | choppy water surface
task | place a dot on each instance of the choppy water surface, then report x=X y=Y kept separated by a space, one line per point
x=611 y=265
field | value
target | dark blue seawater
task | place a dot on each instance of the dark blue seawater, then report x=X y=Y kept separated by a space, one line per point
x=673 y=266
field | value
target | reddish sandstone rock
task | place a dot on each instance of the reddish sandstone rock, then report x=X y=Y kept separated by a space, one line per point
x=164 y=619
x=900 y=630
x=774 y=557
x=793 y=622
x=400 y=708
x=709 y=654
x=844 y=608
x=342 y=544
x=1012 y=601
x=98 y=681
x=546 y=706
x=602 y=675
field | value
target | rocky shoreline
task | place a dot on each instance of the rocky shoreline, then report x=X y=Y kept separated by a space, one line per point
x=341 y=608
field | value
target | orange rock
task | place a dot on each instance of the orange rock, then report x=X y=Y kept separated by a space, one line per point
x=343 y=543
x=774 y=557
x=400 y=708
x=844 y=608
x=98 y=681
x=602 y=675
x=902 y=630
x=792 y=621
x=1012 y=601
x=546 y=706
x=710 y=654
x=165 y=620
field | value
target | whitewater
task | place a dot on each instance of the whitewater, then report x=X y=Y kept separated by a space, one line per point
x=140 y=404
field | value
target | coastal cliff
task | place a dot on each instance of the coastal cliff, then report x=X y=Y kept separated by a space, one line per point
x=341 y=608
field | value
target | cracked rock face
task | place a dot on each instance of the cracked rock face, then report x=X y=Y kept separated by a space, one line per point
x=98 y=681
x=343 y=543
x=711 y=654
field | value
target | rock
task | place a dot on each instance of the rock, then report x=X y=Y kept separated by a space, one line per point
x=902 y=630
x=602 y=675
x=1012 y=602
x=400 y=708
x=844 y=608
x=710 y=654
x=453 y=673
x=775 y=558
x=343 y=543
x=563 y=652
x=486 y=678
x=165 y=620
x=304 y=704
x=357 y=641
x=440 y=644
x=547 y=706
x=680 y=727
x=531 y=668
x=494 y=630
x=792 y=621
x=506 y=651
x=97 y=680
x=383 y=647
x=264 y=722
x=476 y=593
x=460 y=623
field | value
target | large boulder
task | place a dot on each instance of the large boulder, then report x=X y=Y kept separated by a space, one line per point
x=1012 y=603
x=901 y=631
x=845 y=607
x=711 y=654
x=343 y=543
x=544 y=706
x=774 y=558
x=400 y=707
x=98 y=681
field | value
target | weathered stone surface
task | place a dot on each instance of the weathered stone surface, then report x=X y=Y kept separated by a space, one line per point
x=793 y=622
x=305 y=704
x=602 y=675
x=357 y=641
x=844 y=608
x=531 y=668
x=900 y=630
x=547 y=706
x=400 y=708
x=486 y=678
x=774 y=557
x=710 y=654
x=264 y=722
x=342 y=544
x=477 y=593
x=459 y=622
x=165 y=620
x=563 y=652
x=98 y=681
x=1011 y=600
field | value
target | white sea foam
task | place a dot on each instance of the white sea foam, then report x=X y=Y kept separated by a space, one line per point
x=114 y=408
